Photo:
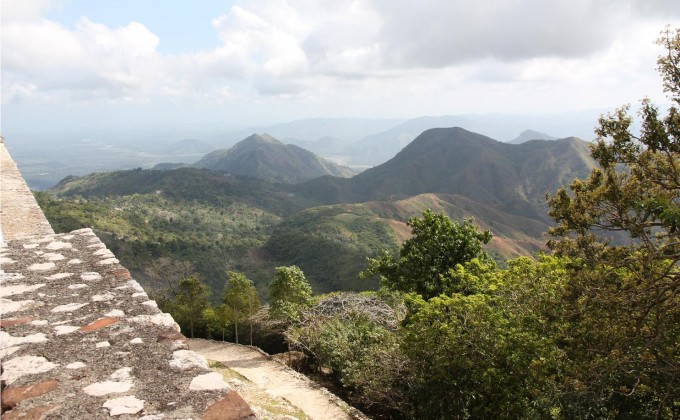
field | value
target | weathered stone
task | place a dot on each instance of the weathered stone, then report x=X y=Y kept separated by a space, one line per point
x=212 y=381
x=53 y=246
x=82 y=292
x=41 y=267
x=59 y=276
x=104 y=297
x=69 y=307
x=160 y=319
x=98 y=389
x=124 y=405
x=17 y=367
x=229 y=407
x=13 y=396
x=65 y=329
x=187 y=359
x=8 y=306
x=120 y=273
x=18 y=289
x=35 y=413
x=4 y=323
x=75 y=365
x=90 y=276
x=116 y=313
x=8 y=340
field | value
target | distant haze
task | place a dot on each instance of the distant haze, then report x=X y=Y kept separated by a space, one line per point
x=128 y=68
x=45 y=158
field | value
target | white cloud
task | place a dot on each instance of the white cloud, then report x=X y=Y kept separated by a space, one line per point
x=475 y=54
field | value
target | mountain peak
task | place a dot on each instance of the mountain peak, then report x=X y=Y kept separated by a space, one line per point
x=261 y=138
x=264 y=157
x=528 y=135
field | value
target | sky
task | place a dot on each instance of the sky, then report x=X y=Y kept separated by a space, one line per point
x=121 y=64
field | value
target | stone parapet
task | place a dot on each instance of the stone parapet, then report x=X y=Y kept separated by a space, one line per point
x=80 y=339
x=20 y=214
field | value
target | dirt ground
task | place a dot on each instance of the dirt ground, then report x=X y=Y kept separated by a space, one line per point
x=272 y=389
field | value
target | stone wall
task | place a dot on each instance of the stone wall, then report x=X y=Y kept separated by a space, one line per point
x=80 y=339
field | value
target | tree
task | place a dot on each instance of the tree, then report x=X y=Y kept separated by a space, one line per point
x=192 y=298
x=289 y=293
x=425 y=260
x=223 y=313
x=625 y=296
x=240 y=296
x=165 y=274
x=210 y=318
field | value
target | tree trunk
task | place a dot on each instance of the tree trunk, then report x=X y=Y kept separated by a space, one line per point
x=251 y=333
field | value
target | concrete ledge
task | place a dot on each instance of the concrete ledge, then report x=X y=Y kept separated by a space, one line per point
x=20 y=215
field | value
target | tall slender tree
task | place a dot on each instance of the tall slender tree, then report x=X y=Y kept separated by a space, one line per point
x=192 y=298
x=240 y=296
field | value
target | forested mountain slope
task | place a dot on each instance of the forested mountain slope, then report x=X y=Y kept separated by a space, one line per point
x=328 y=225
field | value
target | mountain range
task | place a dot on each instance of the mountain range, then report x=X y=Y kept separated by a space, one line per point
x=328 y=225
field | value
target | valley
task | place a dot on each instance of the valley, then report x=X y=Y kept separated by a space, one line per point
x=250 y=222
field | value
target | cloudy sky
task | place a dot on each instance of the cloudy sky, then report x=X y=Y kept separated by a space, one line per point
x=80 y=64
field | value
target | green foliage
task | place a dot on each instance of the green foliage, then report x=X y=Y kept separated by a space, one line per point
x=189 y=303
x=211 y=320
x=141 y=229
x=240 y=296
x=348 y=233
x=624 y=299
x=480 y=356
x=428 y=261
x=289 y=293
x=363 y=358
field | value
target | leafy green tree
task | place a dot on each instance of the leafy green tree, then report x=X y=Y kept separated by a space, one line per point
x=210 y=318
x=164 y=275
x=625 y=297
x=191 y=299
x=471 y=357
x=240 y=296
x=425 y=260
x=223 y=317
x=289 y=294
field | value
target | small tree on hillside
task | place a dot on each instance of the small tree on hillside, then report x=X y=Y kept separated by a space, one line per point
x=191 y=299
x=425 y=260
x=289 y=294
x=240 y=296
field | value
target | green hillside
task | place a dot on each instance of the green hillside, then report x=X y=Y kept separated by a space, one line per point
x=187 y=185
x=328 y=225
x=263 y=157
x=512 y=178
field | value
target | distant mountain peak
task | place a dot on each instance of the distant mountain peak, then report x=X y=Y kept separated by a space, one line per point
x=528 y=135
x=261 y=138
x=264 y=157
